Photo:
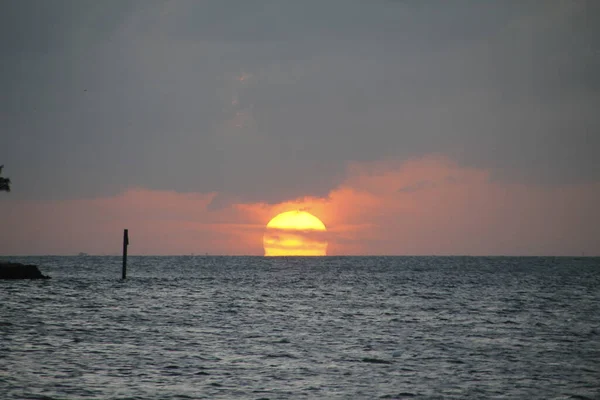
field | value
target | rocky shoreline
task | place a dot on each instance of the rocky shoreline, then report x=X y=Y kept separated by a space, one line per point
x=20 y=271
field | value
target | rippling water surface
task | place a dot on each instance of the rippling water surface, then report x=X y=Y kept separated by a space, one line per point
x=283 y=328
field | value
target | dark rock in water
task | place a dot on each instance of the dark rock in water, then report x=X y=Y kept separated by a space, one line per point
x=20 y=271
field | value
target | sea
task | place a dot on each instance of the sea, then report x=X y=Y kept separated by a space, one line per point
x=204 y=327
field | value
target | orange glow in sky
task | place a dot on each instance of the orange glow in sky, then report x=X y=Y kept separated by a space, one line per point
x=417 y=207
x=295 y=233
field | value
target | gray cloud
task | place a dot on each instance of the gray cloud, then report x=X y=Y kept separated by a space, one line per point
x=417 y=187
x=99 y=96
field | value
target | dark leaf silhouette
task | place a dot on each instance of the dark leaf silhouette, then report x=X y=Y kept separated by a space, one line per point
x=4 y=182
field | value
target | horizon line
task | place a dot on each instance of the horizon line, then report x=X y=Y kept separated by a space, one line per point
x=300 y=256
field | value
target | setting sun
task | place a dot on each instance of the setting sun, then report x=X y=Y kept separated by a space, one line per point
x=295 y=233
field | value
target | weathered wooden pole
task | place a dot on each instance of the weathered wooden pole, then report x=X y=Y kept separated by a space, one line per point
x=125 y=244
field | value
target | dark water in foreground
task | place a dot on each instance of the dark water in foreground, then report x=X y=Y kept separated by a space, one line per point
x=288 y=328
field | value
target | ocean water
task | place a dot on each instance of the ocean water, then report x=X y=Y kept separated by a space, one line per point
x=289 y=328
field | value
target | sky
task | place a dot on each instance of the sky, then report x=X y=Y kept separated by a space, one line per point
x=408 y=127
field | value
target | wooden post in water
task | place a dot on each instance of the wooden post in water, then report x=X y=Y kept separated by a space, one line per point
x=125 y=244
